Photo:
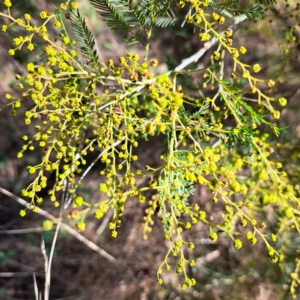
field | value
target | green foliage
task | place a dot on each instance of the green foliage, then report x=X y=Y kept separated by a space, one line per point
x=251 y=10
x=220 y=136
x=112 y=12
x=120 y=15
x=85 y=40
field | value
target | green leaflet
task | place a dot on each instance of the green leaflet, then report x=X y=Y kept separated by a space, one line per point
x=85 y=41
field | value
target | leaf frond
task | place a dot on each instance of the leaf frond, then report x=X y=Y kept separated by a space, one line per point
x=165 y=21
x=85 y=40
x=253 y=9
x=266 y=2
x=112 y=12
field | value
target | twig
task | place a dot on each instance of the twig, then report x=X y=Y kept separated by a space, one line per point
x=48 y=270
x=36 y=291
x=195 y=57
x=69 y=229
x=14 y=274
x=104 y=223
x=67 y=203
x=43 y=249
x=21 y=231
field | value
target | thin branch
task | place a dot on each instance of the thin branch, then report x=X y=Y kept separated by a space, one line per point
x=195 y=57
x=48 y=271
x=36 y=290
x=47 y=287
x=115 y=144
x=21 y=231
x=104 y=223
x=14 y=274
x=69 y=229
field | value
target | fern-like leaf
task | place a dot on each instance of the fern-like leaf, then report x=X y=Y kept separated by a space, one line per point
x=252 y=12
x=266 y=2
x=85 y=40
x=200 y=112
x=165 y=21
x=120 y=14
x=112 y=13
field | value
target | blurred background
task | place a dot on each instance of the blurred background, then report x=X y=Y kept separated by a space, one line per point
x=78 y=272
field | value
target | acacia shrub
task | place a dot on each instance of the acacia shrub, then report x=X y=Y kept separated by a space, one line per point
x=221 y=134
